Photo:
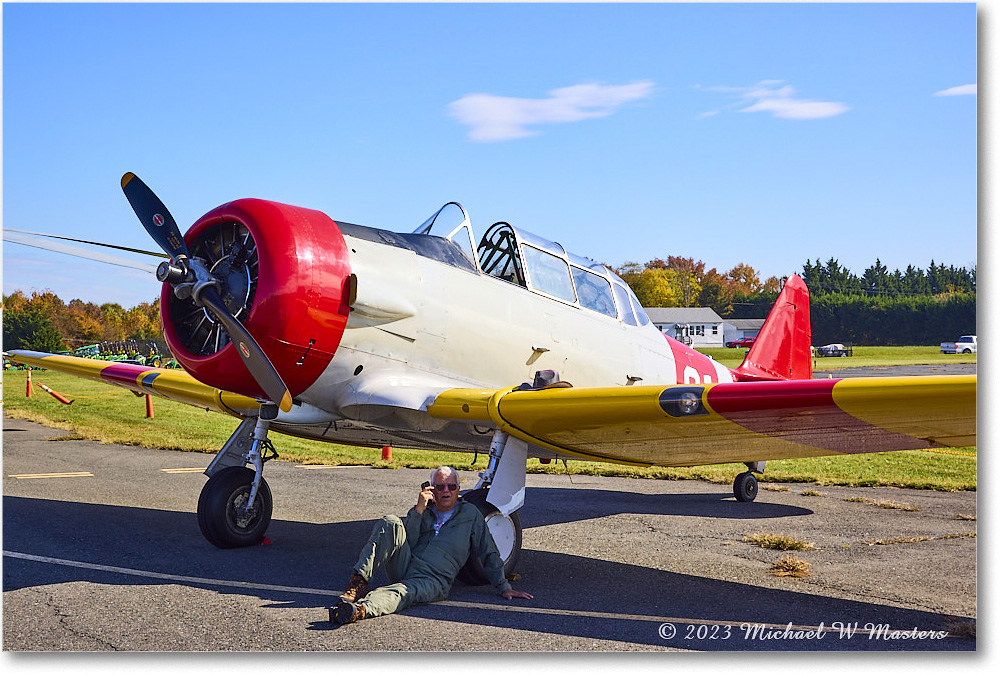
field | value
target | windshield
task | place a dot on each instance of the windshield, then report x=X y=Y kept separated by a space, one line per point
x=448 y=218
x=453 y=219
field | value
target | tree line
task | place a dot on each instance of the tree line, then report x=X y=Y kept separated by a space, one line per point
x=683 y=282
x=831 y=277
x=44 y=322
x=912 y=307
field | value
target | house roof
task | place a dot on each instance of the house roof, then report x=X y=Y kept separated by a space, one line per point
x=746 y=324
x=668 y=315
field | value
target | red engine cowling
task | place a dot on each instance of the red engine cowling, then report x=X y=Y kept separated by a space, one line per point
x=284 y=272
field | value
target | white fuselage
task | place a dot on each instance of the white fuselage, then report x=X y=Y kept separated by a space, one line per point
x=420 y=326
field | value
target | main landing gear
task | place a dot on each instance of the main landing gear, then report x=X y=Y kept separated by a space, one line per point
x=506 y=532
x=234 y=508
x=498 y=496
x=745 y=485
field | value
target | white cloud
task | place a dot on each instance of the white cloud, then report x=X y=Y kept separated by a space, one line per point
x=504 y=118
x=964 y=90
x=779 y=99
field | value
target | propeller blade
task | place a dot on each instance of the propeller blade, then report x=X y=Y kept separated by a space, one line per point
x=20 y=237
x=85 y=241
x=253 y=356
x=154 y=216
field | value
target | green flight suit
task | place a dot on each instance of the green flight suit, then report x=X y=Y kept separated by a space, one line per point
x=422 y=566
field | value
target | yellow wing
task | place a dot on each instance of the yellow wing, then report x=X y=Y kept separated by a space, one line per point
x=168 y=383
x=729 y=422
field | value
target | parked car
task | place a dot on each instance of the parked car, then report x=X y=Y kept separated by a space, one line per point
x=835 y=349
x=742 y=342
x=964 y=345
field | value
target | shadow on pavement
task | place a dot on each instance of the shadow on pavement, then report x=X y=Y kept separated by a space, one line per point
x=574 y=595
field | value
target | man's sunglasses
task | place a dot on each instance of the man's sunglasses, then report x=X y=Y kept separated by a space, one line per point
x=441 y=486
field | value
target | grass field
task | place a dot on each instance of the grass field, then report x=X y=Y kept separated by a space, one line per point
x=109 y=414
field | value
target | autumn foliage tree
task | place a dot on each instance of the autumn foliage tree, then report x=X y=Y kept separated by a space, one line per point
x=684 y=282
x=45 y=323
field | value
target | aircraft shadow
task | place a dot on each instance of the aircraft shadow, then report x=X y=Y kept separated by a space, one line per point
x=553 y=505
x=606 y=600
x=574 y=595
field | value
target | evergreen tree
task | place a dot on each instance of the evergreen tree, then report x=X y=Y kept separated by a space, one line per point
x=30 y=328
x=875 y=280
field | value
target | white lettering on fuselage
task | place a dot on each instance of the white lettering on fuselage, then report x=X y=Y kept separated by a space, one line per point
x=692 y=376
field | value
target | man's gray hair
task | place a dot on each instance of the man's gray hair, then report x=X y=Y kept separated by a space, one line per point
x=446 y=471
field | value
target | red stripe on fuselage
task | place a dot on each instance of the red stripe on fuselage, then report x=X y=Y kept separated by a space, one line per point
x=803 y=412
x=692 y=366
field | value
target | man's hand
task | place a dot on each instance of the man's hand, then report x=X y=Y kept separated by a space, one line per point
x=425 y=498
x=511 y=594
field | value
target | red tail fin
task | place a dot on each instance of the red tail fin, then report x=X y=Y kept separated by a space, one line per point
x=782 y=349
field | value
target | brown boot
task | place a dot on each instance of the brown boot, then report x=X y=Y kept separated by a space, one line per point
x=346 y=612
x=357 y=588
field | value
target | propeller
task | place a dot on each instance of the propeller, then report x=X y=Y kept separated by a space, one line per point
x=154 y=217
x=191 y=277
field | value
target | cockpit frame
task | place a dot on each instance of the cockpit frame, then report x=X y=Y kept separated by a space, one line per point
x=542 y=266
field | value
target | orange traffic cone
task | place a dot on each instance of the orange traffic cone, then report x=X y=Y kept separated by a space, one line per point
x=149 y=406
x=28 y=392
x=387 y=453
x=59 y=397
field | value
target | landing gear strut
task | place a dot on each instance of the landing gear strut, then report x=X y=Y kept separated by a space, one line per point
x=234 y=508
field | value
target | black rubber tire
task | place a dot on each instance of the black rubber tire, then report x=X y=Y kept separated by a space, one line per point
x=473 y=573
x=220 y=497
x=745 y=487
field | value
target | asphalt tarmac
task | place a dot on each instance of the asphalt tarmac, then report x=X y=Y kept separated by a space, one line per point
x=108 y=557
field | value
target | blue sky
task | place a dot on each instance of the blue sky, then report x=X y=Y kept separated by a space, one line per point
x=764 y=134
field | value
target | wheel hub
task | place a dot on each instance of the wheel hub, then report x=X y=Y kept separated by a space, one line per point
x=245 y=513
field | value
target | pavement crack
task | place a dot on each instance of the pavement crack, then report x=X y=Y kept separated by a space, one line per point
x=63 y=619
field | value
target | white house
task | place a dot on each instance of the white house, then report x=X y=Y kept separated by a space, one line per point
x=696 y=326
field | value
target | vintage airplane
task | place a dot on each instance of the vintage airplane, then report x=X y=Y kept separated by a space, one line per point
x=326 y=330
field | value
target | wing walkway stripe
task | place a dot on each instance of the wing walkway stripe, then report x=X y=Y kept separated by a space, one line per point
x=449 y=603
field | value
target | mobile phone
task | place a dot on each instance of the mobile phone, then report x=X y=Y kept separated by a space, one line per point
x=423 y=486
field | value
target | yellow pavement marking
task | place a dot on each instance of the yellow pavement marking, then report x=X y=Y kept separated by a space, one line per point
x=194 y=469
x=77 y=474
